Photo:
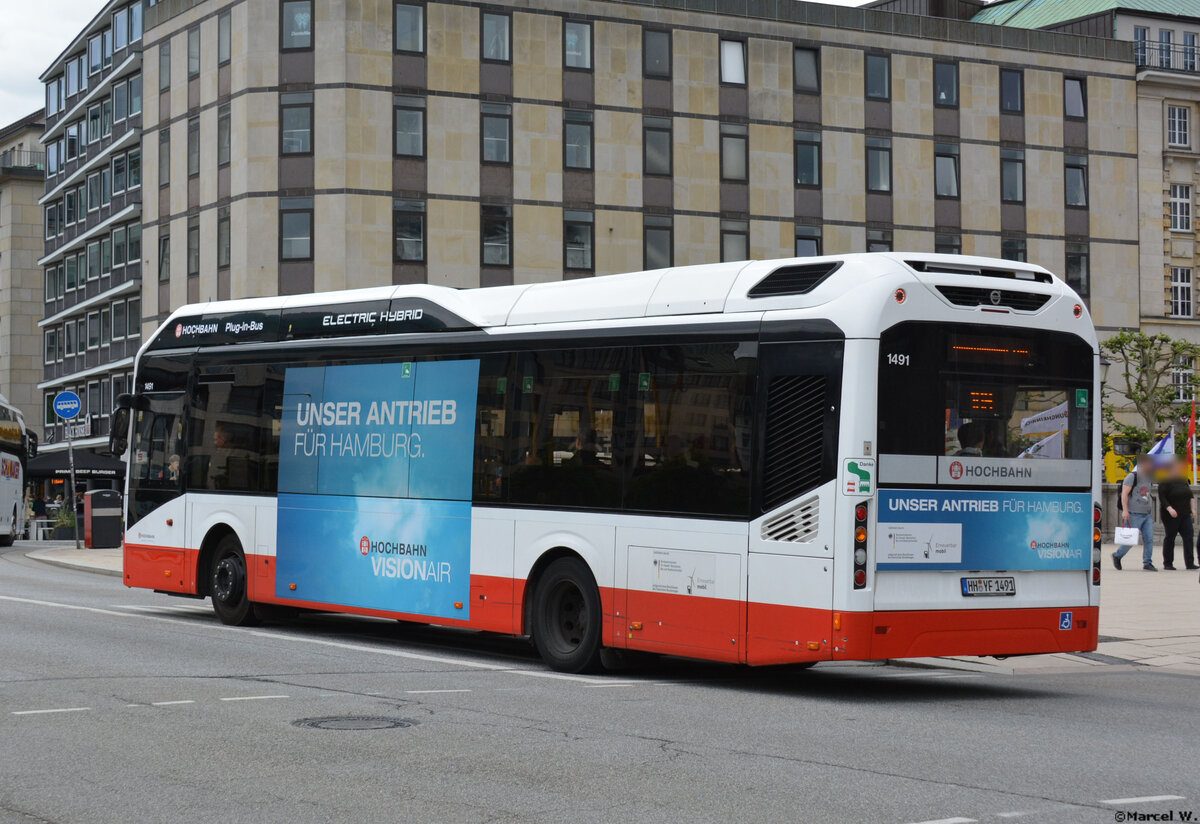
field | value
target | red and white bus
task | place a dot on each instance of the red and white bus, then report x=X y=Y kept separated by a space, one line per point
x=788 y=461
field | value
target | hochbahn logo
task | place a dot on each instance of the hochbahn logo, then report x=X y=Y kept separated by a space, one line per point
x=408 y=562
x=956 y=470
x=366 y=547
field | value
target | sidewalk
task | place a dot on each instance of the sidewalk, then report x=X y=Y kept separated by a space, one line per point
x=1149 y=619
x=64 y=554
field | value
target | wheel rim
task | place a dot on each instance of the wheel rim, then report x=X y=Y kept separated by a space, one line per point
x=227 y=580
x=567 y=614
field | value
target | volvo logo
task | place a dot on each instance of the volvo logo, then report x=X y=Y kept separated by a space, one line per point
x=994 y=297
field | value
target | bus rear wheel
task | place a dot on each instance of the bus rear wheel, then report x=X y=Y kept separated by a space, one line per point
x=227 y=585
x=567 y=617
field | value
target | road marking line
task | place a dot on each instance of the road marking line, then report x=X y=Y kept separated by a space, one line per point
x=950 y=821
x=603 y=686
x=165 y=608
x=1145 y=799
x=45 y=712
x=556 y=675
x=169 y=703
x=431 y=692
x=253 y=697
x=1012 y=815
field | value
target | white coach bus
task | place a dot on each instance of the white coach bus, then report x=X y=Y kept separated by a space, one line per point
x=786 y=461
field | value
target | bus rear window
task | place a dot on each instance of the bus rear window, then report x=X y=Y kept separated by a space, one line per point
x=1011 y=393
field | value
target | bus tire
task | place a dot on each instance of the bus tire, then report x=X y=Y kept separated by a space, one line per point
x=567 y=617
x=227 y=585
x=7 y=540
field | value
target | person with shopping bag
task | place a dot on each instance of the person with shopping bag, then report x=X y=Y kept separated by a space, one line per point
x=1137 y=514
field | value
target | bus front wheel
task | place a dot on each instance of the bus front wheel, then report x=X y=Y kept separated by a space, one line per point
x=567 y=617
x=227 y=585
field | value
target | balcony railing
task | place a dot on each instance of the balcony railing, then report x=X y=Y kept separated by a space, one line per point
x=1166 y=56
x=22 y=160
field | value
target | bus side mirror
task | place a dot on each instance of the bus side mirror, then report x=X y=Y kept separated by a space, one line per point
x=118 y=432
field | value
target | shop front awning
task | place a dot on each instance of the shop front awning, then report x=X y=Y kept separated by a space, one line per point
x=87 y=465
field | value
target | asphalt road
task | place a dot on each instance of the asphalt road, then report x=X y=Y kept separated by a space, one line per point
x=125 y=706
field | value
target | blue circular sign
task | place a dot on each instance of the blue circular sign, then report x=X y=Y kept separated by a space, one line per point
x=67 y=405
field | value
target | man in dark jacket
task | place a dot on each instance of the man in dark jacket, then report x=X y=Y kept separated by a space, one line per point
x=1177 y=507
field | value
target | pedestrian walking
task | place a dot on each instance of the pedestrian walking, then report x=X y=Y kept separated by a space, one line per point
x=1177 y=507
x=1137 y=511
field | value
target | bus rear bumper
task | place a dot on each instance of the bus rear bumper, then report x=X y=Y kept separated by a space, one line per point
x=940 y=633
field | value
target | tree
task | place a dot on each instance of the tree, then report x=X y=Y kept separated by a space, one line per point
x=1145 y=366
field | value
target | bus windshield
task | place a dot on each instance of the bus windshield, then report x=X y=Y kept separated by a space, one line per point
x=984 y=393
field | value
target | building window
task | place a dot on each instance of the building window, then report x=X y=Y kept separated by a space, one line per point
x=224 y=37
x=656 y=143
x=134 y=314
x=95 y=54
x=1181 y=292
x=193 y=43
x=1012 y=175
x=1181 y=207
x=295 y=123
x=164 y=66
x=735 y=148
x=808 y=158
x=656 y=53
x=295 y=228
x=1077 y=268
x=106 y=255
x=1179 y=131
x=133 y=244
x=224 y=135
x=945 y=85
x=118 y=247
x=577 y=139
x=1013 y=249
x=1189 y=51
x=106 y=118
x=120 y=101
x=879 y=83
x=118 y=320
x=496 y=131
x=193 y=247
x=879 y=164
x=295 y=25
x=164 y=157
x=945 y=170
x=134 y=169
x=879 y=240
x=72 y=265
x=135 y=22
x=1183 y=374
x=947 y=244
x=806 y=70
x=808 y=241
x=1075 y=180
x=577 y=241
x=408 y=227
x=497 y=37
x=1074 y=97
x=93 y=188
x=51 y=221
x=223 y=249
x=1012 y=91
x=135 y=95
x=164 y=257
x=410 y=28
x=120 y=27
x=93 y=124
x=577 y=45
x=735 y=240
x=496 y=224
x=118 y=173
x=410 y=126
x=50 y=336
x=1140 y=35
x=1164 y=48
x=93 y=330
x=657 y=242
x=733 y=62
x=105 y=328
x=193 y=147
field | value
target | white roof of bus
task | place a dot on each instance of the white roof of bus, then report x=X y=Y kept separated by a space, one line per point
x=680 y=290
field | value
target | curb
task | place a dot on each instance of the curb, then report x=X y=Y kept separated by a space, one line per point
x=37 y=555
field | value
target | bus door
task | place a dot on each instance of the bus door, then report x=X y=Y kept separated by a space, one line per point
x=791 y=557
x=155 y=478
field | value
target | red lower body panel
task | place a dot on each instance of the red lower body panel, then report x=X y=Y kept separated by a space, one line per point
x=697 y=627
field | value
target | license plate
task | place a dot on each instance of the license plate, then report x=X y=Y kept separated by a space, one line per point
x=989 y=586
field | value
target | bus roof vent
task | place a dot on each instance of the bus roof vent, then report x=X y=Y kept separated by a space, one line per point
x=793 y=280
x=932 y=267
x=1007 y=298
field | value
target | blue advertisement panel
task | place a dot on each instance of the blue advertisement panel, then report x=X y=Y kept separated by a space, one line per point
x=979 y=530
x=375 y=472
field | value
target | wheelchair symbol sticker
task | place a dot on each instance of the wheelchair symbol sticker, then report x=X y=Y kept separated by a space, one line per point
x=1066 y=620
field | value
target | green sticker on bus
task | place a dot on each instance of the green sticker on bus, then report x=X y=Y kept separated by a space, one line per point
x=501 y=385
x=614 y=382
x=406 y=370
x=1081 y=398
x=643 y=381
x=527 y=385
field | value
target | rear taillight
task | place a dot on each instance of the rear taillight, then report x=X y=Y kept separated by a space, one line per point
x=860 y=546
x=1096 y=553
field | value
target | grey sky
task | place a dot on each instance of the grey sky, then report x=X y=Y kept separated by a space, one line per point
x=36 y=31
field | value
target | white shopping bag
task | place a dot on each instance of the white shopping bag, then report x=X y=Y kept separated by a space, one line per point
x=1127 y=536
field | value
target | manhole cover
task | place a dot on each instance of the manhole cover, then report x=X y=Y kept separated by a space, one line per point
x=354 y=722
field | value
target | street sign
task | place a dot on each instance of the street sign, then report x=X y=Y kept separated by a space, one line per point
x=67 y=405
